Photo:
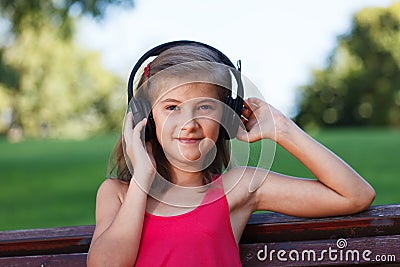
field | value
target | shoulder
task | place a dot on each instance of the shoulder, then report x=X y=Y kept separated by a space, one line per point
x=110 y=196
x=112 y=188
x=244 y=177
x=241 y=185
x=236 y=183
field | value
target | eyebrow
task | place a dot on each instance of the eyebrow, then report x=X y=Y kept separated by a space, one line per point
x=177 y=101
x=170 y=100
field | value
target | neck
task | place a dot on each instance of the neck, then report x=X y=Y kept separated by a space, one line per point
x=184 y=178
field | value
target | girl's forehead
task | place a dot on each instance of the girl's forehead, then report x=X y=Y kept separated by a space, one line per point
x=190 y=91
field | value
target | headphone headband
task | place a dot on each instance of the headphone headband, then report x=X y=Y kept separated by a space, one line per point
x=162 y=47
x=234 y=101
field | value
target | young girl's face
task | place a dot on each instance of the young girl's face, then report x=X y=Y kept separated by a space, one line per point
x=187 y=122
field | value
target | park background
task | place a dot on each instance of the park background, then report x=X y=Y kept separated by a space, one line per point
x=333 y=67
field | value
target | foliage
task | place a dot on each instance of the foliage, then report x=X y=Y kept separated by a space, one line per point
x=48 y=85
x=59 y=13
x=62 y=90
x=361 y=85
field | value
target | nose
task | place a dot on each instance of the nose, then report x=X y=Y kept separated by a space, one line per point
x=189 y=122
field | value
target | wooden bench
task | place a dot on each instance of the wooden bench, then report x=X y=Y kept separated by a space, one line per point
x=371 y=237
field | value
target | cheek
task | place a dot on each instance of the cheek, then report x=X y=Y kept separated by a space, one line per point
x=212 y=129
x=164 y=128
x=160 y=128
x=158 y=135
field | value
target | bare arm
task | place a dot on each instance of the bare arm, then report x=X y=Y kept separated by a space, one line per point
x=119 y=216
x=338 y=189
x=118 y=230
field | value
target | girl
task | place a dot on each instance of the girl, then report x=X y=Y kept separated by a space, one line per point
x=140 y=224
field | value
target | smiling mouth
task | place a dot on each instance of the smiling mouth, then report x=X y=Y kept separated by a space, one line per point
x=189 y=140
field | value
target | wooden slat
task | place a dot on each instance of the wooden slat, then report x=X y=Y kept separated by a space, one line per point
x=45 y=241
x=60 y=260
x=271 y=227
x=392 y=210
x=46 y=233
x=377 y=229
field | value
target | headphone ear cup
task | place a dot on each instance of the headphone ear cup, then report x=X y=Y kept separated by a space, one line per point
x=147 y=113
x=230 y=121
x=142 y=109
x=150 y=127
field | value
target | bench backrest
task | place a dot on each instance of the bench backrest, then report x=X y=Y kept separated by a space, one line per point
x=268 y=239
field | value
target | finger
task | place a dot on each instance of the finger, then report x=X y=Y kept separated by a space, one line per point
x=149 y=150
x=244 y=120
x=255 y=101
x=247 y=112
x=252 y=123
x=246 y=104
x=129 y=120
x=139 y=127
x=128 y=126
x=242 y=134
x=245 y=136
x=251 y=109
x=249 y=121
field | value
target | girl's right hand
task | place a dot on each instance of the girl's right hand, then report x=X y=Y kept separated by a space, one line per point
x=140 y=155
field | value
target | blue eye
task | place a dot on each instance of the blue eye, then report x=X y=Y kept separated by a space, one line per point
x=172 y=107
x=205 y=107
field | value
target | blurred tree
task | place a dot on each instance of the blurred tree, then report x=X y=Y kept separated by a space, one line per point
x=49 y=86
x=62 y=90
x=361 y=84
x=59 y=13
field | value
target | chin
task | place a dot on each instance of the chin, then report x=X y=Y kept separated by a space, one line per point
x=190 y=158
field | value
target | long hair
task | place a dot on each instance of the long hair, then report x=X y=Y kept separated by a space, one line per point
x=175 y=56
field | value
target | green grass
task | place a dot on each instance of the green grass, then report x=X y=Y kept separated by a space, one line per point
x=373 y=153
x=53 y=183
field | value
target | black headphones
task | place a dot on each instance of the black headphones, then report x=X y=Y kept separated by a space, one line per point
x=233 y=108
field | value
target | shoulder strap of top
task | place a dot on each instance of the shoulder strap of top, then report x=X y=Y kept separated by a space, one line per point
x=215 y=190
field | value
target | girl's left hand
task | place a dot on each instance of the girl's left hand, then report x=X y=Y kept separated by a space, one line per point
x=259 y=119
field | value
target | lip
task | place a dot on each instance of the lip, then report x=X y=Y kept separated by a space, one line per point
x=185 y=140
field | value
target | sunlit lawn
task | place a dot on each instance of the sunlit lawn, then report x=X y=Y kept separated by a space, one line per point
x=53 y=183
x=374 y=153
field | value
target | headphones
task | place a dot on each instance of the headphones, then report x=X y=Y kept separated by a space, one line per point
x=233 y=107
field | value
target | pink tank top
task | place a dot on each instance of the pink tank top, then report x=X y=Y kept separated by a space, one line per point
x=201 y=237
